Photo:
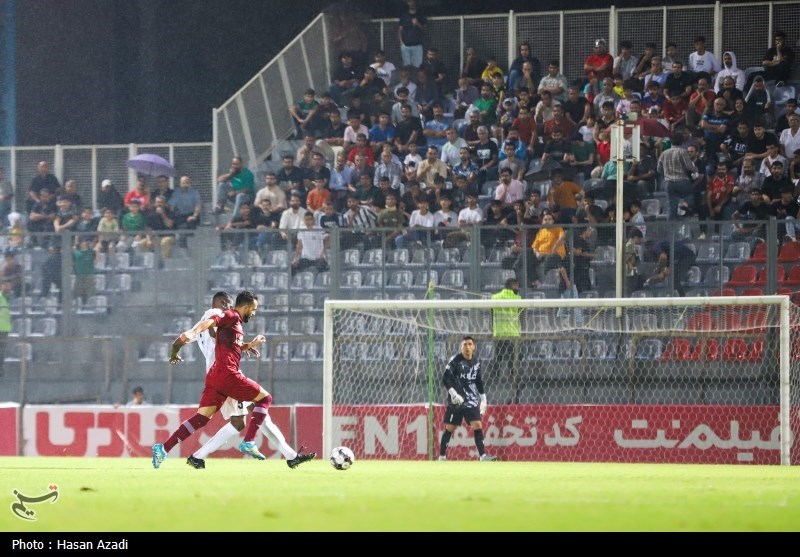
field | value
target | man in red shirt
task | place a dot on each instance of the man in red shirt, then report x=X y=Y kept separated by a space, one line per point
x=600 y=62
x=224 y=379
x=718 y=195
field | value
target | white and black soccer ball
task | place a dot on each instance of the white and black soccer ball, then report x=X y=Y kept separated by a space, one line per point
x=342 y=458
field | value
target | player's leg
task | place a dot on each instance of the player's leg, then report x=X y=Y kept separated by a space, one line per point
x=274 y=434
x=209 y=402
x=241 y=388
x=233 y=412
x=452 y=418
x=474 y=418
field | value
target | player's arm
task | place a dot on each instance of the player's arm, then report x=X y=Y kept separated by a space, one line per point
x=250 y=349
x=188 y=336
x=450 y=384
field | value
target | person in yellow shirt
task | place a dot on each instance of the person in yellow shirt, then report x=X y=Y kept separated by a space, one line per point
x=506 y=335
x=548 y=248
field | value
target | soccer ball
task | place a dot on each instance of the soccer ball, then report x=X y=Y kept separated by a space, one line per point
x=342 y=458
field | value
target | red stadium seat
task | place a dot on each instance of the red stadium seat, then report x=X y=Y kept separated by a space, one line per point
x=743 y=275
x=756 y=351
x=755 y=322
x=701 y=321
x=759 y=254
x=793 y=279
x=679 y=350
x=790 y=253
x=724 y=292
x=730 y=321
x=779 y=271
x=752 y=292
x=711 y=348
x=734 y=350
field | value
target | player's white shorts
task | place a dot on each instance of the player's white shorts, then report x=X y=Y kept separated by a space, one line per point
x=233 y=408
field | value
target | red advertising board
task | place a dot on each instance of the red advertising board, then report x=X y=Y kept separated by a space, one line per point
x=599 y=433
x=9 y=429
x=88 y=430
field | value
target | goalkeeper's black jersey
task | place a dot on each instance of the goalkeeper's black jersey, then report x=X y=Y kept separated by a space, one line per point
x=465 y=377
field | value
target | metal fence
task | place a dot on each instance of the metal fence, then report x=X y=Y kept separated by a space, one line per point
x=256 y=119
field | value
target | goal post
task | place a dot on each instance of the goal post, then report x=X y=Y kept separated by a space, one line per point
x=684 y=380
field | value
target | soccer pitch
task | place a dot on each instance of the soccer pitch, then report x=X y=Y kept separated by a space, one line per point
x=127 y=494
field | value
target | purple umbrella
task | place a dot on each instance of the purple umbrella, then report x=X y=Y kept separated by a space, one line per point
x=152 y=165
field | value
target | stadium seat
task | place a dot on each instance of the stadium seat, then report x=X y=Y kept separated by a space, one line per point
x=303 y=281
x=701 y=321
x=734 y=350
x=737 y=252
x=374 y=279
x=453 y=278
x=716 y=276
x=276 y=259
x=753 y=291
x=780 y=273
x=681 y=350
x=304 y=300
x=755 y=352
x=373 y=258
x=398 y=258
x=401 y=279
x=759 y=254
x=743 y=275
x=351 y=279
x=649 y=349
x=707 y=254
x=711 y=350
x=302 y=325
x=276 y=281
x=789 y=253
x=322 y=281
x=724 y=292
x=306 y=351
x=729 y=321
x=422 y=257
x=793 y=278
x=755 y=321
x=424 y=278
x=351 y=257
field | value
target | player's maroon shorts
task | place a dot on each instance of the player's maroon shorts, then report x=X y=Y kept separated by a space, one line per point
x=221 y=386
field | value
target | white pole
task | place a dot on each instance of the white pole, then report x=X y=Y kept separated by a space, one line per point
x=619 y=154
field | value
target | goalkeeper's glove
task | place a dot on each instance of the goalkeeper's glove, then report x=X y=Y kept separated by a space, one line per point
x=483 y=404
x=456 y=398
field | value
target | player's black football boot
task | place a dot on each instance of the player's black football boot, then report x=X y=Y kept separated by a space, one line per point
x=198 y=463
x=300 y=458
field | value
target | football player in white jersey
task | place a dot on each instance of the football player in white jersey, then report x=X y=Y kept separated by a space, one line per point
x=234 y=411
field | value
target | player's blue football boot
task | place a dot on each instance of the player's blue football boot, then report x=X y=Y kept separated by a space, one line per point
x=159 y=454
x=249 y=447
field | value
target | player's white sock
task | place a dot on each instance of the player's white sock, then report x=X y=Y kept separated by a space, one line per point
x=274 y=434
x=217 y=441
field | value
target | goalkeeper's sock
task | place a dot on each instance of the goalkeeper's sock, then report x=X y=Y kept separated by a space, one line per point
x=444 y=442
x=217 y=441
x=479 y=441
x=274 y=434
x=185 y=430
x=260 y=410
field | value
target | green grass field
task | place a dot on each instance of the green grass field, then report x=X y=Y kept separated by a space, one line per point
x=102 y=495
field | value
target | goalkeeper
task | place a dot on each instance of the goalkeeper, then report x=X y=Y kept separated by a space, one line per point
x=466 y=399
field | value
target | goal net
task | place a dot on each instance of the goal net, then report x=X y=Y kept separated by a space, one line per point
x=683 y=380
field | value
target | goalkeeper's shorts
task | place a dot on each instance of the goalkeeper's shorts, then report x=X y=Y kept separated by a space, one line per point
x=456 y=414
